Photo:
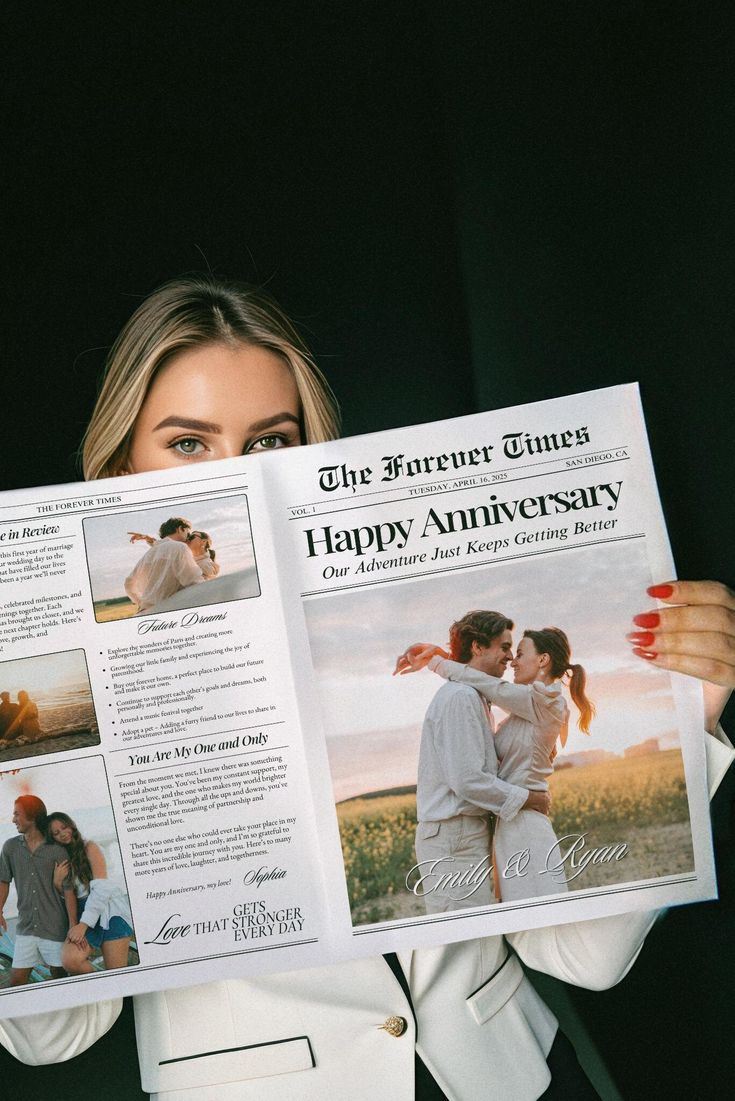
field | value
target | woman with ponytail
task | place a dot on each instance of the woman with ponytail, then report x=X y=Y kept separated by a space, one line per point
x=526 y=745
x=551 y=646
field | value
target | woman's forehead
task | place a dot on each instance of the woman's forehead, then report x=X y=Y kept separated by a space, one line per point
x=217 y=382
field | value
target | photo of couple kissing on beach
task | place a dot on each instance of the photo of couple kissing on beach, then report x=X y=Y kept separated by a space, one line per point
x=154 y=561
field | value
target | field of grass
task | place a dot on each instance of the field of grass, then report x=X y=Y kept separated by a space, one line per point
x=105 y=611
x=377 y=848
x=639 y=800
x=640 y=791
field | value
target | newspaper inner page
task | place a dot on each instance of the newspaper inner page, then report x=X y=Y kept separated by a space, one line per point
x=148 y=707
x=549 y=515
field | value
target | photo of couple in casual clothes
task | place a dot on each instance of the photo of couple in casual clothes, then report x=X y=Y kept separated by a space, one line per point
x=143 y=563
x=68 y=910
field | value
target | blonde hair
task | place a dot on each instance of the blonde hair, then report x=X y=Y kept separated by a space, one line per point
x=187 y=313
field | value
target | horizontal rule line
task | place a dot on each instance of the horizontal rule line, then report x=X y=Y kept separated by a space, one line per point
x=488 y=481
x=192 y=737
x=138 y=967
x=123 y=507
x=192 y=763
x=386 y=580
x=527 y=904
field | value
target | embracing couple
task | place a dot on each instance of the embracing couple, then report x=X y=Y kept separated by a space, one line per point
x=468 y=770
x=66 y=904
x=179 y=558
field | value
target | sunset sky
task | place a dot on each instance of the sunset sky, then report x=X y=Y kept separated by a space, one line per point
x=45 y=675
x=71 y=786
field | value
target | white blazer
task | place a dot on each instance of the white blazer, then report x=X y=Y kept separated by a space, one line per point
x=309 y=1035
x=480 y=1026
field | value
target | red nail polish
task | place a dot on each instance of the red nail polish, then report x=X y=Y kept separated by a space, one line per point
x=660 y=592
x=641 y=638
x=649 y=655
x=648 y=619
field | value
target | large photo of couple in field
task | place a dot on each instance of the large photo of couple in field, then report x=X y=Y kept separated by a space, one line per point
x=169 y=558
x=492 y=740
x=64 y=907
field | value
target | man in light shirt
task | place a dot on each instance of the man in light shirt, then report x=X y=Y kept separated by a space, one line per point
x=165 y=568
x=458 y=786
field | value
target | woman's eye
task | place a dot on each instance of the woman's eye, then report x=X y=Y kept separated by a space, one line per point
x=187 y=445
x=267 y=443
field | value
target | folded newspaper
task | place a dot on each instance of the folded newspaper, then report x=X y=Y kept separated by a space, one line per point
x=196 y=671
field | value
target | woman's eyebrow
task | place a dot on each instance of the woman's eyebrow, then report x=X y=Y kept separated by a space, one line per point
x=270 y=422
x=189 y=422
x=176 y=421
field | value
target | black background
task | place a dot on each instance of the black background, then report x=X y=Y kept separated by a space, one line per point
x=463 y=206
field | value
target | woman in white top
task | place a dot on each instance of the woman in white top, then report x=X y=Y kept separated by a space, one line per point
x=526 y=857
x=103 y=912
x=200 y=545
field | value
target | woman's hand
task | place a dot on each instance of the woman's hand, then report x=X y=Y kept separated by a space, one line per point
x=137 y=536
x=61 y=871
x=417 y=657
x=78 y=935
x=696 y=635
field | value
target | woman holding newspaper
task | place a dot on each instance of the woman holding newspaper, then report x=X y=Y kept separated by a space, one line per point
x=208 y=370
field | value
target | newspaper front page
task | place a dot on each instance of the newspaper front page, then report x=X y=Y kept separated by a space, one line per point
x=196 y=682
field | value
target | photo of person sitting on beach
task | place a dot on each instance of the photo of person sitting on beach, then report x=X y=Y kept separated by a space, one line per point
x=19 y=721
x=46 y=705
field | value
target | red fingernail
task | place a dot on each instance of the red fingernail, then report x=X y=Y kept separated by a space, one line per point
x=660 y=592
x=641 y=638
x=648 y=619
x=647 y=654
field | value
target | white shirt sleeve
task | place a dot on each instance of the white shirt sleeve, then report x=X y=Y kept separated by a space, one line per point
x=209 y=568
x=57 y=1036
x=540 y=704
x=459 y=741
x=185 y=568
x=106 y=900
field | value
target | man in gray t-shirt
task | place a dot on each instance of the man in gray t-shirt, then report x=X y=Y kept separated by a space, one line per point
x=44 y=915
